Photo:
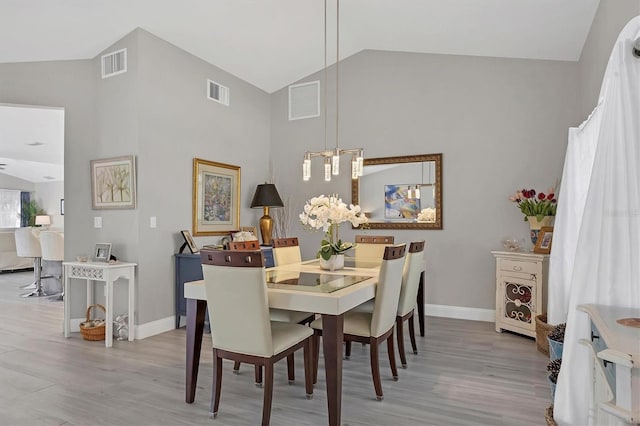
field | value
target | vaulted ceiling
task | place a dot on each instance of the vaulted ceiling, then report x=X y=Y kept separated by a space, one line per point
x=272 y=43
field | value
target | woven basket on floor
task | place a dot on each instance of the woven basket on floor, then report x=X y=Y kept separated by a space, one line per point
x=93 y=332
x=542 y=331
x=548 y=416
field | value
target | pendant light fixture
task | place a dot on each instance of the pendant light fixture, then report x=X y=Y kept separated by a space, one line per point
x=332 y=156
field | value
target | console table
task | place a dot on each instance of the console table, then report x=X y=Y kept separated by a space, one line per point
x=108 y=273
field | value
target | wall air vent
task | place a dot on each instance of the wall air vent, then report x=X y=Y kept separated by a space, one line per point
x=114 y=63
x=304 y=100
x=217 y=92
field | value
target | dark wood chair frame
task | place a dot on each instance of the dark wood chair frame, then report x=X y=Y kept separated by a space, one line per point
x=285 y=242
x=374 y=239
x=391 y=252
x=241 y=258
x=252 y=245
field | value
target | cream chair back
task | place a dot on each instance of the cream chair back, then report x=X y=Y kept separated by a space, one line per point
x=370 y=247
x=286 y=251
x=52 y=245
x=388 y=290
x=237 y=301
x=27 y=243
x=413 y=267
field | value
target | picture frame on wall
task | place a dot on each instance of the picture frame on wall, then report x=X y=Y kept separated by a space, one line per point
x=545 y=238
x=113 y=183
x=62 y=207
x=216 y=198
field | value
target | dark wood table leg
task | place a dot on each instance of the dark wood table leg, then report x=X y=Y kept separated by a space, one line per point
x=332 y=336
x=421 y=304
x=196 y=310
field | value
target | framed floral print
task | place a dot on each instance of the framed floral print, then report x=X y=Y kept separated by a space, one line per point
x=216 y=198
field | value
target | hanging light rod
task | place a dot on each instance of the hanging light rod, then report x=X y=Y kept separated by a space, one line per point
x=332 y=157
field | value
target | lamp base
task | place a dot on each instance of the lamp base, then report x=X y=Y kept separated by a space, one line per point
x=266 y=226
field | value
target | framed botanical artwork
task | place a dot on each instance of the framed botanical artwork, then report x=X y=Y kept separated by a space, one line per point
x=216 y=198
x=545 y=237
x=188 y=242
x=102 y=252
x=113 y=183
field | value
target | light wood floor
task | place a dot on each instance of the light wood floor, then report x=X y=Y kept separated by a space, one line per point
x=465 y=374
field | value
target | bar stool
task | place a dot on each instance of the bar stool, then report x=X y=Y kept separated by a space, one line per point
x=52 y=246
x=28 y=245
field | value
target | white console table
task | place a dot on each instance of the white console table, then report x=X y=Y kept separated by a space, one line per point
x=108 y=273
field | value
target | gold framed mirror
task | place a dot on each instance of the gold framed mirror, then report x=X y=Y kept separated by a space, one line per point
x=402 y=192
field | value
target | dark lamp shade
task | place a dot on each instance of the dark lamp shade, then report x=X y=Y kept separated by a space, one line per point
x=266 y=196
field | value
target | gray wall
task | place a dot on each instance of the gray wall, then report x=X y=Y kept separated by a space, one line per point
x=611 y=17
x=501 y=125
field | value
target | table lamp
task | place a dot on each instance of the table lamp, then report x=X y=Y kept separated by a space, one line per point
x=43 y=220
x=266 y=196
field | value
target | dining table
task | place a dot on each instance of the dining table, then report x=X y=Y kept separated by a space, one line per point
x=299 y=287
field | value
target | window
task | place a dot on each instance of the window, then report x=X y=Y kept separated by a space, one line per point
x=9 y=208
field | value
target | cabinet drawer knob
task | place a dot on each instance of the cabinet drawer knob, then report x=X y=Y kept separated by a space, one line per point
x=517 y=268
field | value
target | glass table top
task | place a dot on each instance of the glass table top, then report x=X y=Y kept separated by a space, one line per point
x=316 y=282
x=352 y=262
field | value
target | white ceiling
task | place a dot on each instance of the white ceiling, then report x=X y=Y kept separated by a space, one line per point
x=272 y=43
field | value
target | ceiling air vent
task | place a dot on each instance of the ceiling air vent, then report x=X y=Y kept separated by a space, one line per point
x=304 y=100
x=217 y=92
x=114 y=63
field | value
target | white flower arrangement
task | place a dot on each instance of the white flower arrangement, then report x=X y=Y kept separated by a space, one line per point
x=327 y=213
x=427 y=215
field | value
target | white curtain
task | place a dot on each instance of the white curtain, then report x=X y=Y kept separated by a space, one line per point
x=606 y=269
x=576 y=175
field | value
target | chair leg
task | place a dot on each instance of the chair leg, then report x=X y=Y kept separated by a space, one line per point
x=375 y=369
x=217 y=384
x=392 y=357
x=412 y=336
x=258 y=374
x=291 y=370
x=268 y=393
x=308 y=367
x=316 y=356
x=236 y=367
x=400 y=336
x=347 y=350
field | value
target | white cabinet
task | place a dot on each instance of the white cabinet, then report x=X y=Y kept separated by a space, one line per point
x=521 y=290
x=616 y=373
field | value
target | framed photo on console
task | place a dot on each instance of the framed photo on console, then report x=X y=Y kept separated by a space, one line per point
x=216 y=198
x=543 y=244
x=188 y=242
x=102 y=252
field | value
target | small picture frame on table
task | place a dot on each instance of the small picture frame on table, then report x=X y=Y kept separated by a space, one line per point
x=545 y=237
x=188 y=242
x=102 y=252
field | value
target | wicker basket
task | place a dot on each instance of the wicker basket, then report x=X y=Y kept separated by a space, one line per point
x=542 y=331
x=548 y=416
x=93 y=332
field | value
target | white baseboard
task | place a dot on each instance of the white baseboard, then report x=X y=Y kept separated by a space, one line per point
x=460 y=312
x=155 y=327
x=142 y=331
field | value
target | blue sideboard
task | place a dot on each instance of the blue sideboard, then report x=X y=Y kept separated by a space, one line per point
x=188 y=268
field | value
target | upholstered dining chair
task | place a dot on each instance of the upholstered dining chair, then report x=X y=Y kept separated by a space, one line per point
x=282 y=315
x=241 y=330
x=52 y=247
x=370 y=247
x=28 y=245
x=377 y=326
x=286 y=251
x=413 y=267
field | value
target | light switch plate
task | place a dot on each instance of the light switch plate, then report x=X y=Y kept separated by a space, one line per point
x=97 y=222
x=152 y=222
